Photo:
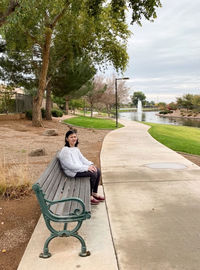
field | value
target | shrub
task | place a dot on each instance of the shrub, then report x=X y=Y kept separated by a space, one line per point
x=165 y=112
x=30 y=113
x=43 y=112
x=56 y=113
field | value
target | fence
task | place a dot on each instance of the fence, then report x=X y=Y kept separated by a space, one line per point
x=12 y=102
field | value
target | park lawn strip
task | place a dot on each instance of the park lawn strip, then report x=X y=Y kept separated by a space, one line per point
x=178 y=138
x=88 y=122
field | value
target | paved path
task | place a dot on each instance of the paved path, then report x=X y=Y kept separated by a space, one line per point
x=154 y=213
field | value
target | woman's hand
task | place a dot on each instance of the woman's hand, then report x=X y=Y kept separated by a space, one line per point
x=92 y=168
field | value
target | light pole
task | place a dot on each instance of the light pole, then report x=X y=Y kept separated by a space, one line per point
x=116 y=98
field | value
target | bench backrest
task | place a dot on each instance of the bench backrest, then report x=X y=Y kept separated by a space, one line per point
x=55 y=185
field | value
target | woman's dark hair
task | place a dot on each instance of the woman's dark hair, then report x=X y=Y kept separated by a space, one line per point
x=71 y=131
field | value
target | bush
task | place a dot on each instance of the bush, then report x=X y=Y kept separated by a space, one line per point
x=56 y=113
x=29 y=114
x=165 y=112
x=43 y=112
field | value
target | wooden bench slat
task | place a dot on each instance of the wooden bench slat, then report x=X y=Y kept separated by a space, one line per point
x=68 y=192
x=48 y=170
x=58 y=194
x=53 y=187
x=82 y=191
x=87 y=195
x=76 y=194
x=51 y=178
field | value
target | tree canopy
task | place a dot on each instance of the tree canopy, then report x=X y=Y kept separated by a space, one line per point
x=7 y=7
x=97 y=28
x=138 y=96
x=69 y=78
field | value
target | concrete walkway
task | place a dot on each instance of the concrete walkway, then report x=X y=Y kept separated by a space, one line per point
x=154 y=213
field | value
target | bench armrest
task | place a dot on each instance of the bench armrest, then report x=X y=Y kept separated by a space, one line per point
x=72 y=199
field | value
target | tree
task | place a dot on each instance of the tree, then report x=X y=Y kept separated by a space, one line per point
x=172 y=106
x=60 y=101
x=20 y=68
x=138 y=96
x=162 y=105
x=149 y=103
x=189 y=101
x=108 y=97
x=68 y=79
x=186 y=101
x=36 y=23
x=95 y=89
x=179 y=102
x=7 y=101
x=196 y=102
x=77 y=104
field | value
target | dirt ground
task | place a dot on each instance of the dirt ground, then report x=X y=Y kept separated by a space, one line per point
x=17 y=139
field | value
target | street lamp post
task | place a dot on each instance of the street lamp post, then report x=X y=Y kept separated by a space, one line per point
x=116 y=98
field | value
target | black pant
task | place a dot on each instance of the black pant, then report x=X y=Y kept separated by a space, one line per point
x=94 y=179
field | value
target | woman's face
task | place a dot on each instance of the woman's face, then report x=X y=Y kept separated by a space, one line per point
x=72 y=139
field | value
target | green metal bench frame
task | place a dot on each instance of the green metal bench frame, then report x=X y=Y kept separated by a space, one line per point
x=65 y=210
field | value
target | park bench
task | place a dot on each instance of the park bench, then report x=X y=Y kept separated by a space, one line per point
x=63 y=200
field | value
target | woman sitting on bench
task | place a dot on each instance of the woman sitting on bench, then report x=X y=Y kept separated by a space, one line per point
x=75 y=164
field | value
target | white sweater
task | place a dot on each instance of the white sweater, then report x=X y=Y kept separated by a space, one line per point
x=72 y=161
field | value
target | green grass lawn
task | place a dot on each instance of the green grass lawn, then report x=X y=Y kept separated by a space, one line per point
x=179 y=138
x=88 y=122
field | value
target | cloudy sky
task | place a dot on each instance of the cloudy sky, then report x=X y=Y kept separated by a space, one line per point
x=165 y=55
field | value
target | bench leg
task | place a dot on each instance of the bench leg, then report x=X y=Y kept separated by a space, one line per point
x=84 y=252
x=65 y=226
x=64 y=233
x=46 y=253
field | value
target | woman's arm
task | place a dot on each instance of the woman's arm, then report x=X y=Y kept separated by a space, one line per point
x=83 y=159
x=67 y=163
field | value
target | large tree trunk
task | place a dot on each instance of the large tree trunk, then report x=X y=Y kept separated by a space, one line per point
x=108 y=109
x=36 y=113
x=84 y=109
x=37 y=101
x=67 y=104
x=48 y=104
x=91 y=108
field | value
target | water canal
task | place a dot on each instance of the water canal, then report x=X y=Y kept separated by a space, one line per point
x=153 y=118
